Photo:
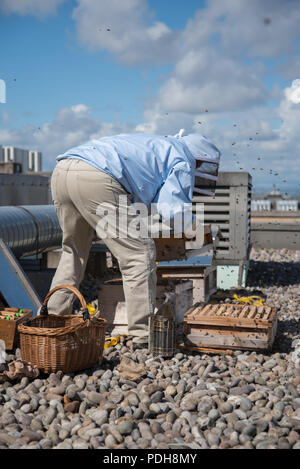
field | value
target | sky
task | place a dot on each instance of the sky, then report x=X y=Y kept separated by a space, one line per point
x=81 y=69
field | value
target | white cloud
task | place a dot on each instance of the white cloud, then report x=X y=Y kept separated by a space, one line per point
x=215 y=70
x=160 y=122
x=209 y=54
x=277 y=149
x=39 y=8
x=248 y=139
x=206 y=79
x=293 y=93
x=126 y=29
x=240 y=27
x=71 y=126
x=273 y=152
x=218 y=65
x=253 y=28
x=210 y=69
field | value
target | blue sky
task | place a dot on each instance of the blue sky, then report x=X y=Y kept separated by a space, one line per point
x=53 y=70
x=159 y=67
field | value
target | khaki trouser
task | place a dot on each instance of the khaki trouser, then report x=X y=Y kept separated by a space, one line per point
x=78 y=190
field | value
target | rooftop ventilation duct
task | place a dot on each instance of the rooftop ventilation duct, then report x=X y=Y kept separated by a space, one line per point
x=29 y=229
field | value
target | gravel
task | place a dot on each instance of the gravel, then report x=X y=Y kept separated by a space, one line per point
x=245 y=400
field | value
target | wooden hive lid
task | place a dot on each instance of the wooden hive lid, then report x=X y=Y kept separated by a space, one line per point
x=231 y=314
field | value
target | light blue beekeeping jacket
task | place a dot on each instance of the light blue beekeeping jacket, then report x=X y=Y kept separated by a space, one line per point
x=153 y=168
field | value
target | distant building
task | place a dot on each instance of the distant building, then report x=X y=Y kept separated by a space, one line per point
x=261 y=205
x=287 y=205
x=10 y=168
x=21 y=180
x=274 y=196
x=35 y=161
x=274 y=201
x=30 y=160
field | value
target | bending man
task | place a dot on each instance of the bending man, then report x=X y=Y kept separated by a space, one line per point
x=90 y=179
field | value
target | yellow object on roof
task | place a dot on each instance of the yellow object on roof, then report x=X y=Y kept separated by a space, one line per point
x=252 y=300
x=91 y=309
x=112 y=341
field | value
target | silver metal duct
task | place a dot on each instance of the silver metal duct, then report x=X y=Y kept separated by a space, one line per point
x=28 y=229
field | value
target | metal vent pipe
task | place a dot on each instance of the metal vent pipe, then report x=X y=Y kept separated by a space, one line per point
x=28 y=229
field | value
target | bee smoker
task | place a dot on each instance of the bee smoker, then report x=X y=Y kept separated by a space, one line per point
x=162 y=333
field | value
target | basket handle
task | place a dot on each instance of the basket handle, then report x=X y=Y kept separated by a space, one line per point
x=44 y=308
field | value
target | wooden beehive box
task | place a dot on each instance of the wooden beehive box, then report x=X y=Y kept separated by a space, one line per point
x=112 y=303
x=169 y=249
x=231 y=326
x=9 y=328
x=206 y=286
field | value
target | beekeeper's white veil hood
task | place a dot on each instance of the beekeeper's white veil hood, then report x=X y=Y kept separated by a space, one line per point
x=203 y=150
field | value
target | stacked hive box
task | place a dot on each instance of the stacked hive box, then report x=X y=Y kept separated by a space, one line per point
x=113 y=307
x=196 y=265
x=189 y=274
x=235 y=326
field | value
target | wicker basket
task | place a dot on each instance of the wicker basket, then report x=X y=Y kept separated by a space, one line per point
x=67 y=343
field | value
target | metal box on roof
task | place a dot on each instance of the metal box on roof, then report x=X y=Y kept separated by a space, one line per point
x=230 y=209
